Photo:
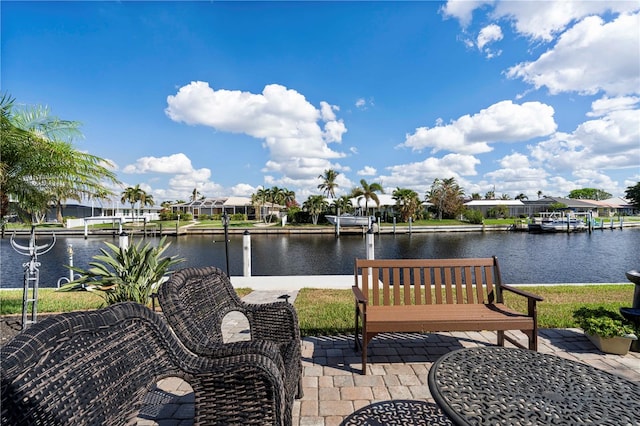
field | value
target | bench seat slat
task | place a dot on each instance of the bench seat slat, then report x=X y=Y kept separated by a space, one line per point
x=445 y=318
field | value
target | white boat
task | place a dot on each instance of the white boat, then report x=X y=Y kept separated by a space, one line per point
x=562 y=225
x=350 y=220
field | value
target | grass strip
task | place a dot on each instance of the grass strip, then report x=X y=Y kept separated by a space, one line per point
x=52 y=301
x=330 y=312
x=325 y=312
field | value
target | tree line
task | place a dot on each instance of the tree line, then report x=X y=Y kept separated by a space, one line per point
x=39 y=167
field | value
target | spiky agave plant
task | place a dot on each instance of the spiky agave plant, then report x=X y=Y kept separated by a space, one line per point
x=125 y=274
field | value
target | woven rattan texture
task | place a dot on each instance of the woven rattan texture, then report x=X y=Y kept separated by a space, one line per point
x=195 y=301
x=96 y=368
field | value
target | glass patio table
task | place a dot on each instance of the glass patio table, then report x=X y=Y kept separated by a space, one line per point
x=510 y=386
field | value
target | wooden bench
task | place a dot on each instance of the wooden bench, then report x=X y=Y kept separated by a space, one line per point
x=429 y=295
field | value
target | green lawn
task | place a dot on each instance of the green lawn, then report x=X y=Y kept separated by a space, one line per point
x=330 y=312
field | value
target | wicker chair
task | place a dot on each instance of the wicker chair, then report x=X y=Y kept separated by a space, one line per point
x=96 y=367
x=195 y=301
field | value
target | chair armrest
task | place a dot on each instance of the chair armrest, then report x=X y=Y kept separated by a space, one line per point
x=522 y=292
x=358 y=295
x=277 y=321
x=264 y=348
x=242 y=389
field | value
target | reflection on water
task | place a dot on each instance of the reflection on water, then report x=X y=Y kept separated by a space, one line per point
x=603 y=256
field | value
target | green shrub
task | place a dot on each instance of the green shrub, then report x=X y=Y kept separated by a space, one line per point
x=125 y=274
x=602 y=322
x=167 y=215
x=473 y=216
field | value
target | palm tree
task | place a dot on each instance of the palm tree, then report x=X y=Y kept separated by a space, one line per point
x=289 y=198
x=368 y=191
x=258 y=199
x=277 y=195
x=315 y=205
x=194 y=194
x=447 y=196
x=329 y=185
x=539 y=194
x=37 y=159
x=146 y=200
x=407 y=202
x=132 y=195
x=59 y=197
x=521 y=196
x=343 y=203
x=505 y=197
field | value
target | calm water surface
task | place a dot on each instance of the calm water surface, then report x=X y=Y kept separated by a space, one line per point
x=603 y=256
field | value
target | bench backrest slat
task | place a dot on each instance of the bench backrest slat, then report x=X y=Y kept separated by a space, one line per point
x=428 y=281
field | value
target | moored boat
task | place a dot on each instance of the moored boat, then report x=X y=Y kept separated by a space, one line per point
x=562 y=225
x=349 y=220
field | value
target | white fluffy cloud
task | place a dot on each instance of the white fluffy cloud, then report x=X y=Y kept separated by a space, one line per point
x=516 y=175
x=605 y=105
x=367 y=171
x=176 y=163
x=296 y=134
x=183 y=176
x=419 y=175
x=489 y=34
x=590 y=57
x=462 y=10
x=609 y=142
x=243 y=190
x=472 y=134
x=543 y=23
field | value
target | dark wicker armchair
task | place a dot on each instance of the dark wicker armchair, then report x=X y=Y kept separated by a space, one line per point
x=96 y=367
x=195 y=301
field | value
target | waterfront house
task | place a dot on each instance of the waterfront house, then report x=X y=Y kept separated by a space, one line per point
x=515 y=207
x=220 y=205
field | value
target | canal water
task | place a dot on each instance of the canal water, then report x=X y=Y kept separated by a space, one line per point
x=525 y=258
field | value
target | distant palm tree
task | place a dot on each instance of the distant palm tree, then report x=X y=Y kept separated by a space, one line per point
x=131 y=195
x=521 y=196
x=135 y=194
x=343 y=203
x=315 y=205
x=407 y=202
x=368 y=191
x=505 y=197
x=446 y=195
x=289 y=198
x=539 y=194
x=146 y=200
x=59 y=196
x=329 y=185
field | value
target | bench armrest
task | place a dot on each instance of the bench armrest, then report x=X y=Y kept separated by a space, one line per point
x=358 y=295
x=522 y=293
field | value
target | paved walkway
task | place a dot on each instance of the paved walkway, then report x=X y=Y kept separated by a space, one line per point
x=398 y=367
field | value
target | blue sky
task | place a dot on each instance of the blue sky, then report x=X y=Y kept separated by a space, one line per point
x=227 y=97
